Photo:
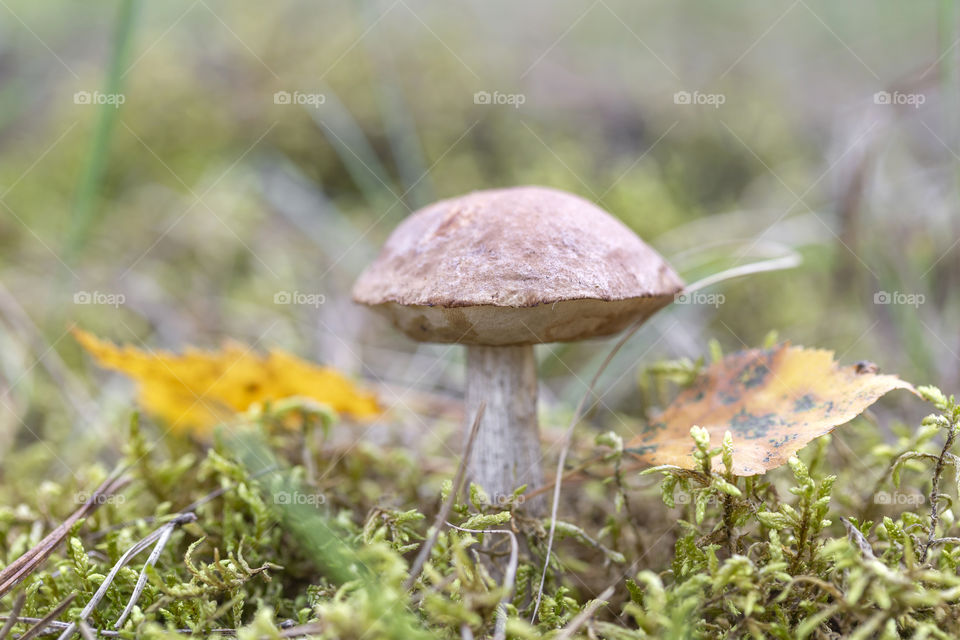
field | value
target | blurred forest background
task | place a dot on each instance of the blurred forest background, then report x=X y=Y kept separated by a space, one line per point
x=169 y=171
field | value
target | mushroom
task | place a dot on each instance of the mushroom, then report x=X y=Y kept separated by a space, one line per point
x=500 y=271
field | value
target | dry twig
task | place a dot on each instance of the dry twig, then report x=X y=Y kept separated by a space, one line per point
x=448 y=505
x=13 y=574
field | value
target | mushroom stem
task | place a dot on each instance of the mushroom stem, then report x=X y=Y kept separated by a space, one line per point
x=506 y=453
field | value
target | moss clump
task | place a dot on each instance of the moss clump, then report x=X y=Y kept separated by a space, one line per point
x=322 y=542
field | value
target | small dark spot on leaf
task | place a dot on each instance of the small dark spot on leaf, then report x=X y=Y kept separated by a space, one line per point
x=804 y=403
x=654 y=427
x=643 y=450
x=754 y=374
x=728 y=398
x=776 y=443
x=751 y=426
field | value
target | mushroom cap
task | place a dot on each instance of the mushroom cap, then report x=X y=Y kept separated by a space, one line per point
x=514 y=266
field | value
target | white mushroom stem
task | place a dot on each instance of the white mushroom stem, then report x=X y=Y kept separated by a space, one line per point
x=506 y=453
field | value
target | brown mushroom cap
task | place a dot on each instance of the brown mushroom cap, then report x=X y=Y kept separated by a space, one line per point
x=515 y=266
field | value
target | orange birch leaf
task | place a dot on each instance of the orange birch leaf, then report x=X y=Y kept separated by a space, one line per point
x=772 y=401
x=199 y=389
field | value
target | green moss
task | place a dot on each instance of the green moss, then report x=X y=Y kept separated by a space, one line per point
x=807 y=550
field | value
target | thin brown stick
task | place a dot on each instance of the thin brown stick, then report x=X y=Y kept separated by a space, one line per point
x=448 y=505
x=12 y=575
x=54 y=626
x=41 y=626
x=935 y=493
x=12 y=620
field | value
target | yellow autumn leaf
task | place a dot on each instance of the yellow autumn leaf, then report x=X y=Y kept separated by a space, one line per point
x=199 y=389
x=772 y=401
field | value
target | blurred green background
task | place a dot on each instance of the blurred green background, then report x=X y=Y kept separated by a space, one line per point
x=167 y=169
